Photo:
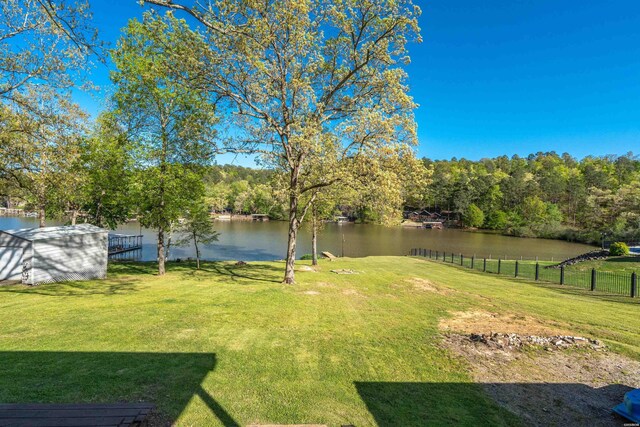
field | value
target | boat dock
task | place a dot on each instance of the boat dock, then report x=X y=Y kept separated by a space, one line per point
x=435 y=225
x=120 y=243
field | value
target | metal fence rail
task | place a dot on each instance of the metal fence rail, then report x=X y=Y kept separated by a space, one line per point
x=601 y=281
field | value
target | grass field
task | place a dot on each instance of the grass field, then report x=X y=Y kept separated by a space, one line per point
x=612 y=275
x=618 y=264
x=232 y=346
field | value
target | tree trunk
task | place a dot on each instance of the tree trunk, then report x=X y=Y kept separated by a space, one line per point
x=314 y=241
x=289 y=278
x=195 y=242
x=41 y=216
x=167 y=253
x=74 y=216
x=161 y=257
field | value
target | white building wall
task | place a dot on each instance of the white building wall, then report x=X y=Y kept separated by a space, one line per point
x=74 y=257
x=13 y=252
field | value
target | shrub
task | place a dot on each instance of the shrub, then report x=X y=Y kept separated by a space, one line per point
x=306 y=257
x=473 y=217
x=619 y=249
x=497 y=220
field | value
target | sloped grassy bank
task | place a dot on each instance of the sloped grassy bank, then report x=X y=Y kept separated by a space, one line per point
x=230 y=345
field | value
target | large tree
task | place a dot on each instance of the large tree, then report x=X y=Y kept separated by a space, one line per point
x=38 y=152
x=106 y=168
x=170 y=125
x=44 y=44
x=306 y=80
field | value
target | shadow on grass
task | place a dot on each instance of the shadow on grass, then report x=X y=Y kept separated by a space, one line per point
x=424 y=404
x=169 y=380
x=251 y=272
x=255 y=271
x=73 y=289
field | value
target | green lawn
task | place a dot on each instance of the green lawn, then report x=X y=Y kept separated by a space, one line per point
x=618 y=264
x=232 y=346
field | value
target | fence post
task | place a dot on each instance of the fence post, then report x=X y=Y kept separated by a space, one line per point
x=537 y=271
x=461 y=260
x=516 y=268
x=451 y=257
x=593 y=279
x=484 y=266
x=562 y=274
x=437 y=255
x=430 y=254
x=473 y=260
x=634 y=285
x=499 y=265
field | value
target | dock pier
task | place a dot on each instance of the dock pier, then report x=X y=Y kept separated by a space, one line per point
x=120 y=243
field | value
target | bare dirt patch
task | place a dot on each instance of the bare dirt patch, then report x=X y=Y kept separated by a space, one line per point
x=311 y=293
x=352 y=292
x=426 y=285
x=546 y=379
x=485 y=322
x=325 y=285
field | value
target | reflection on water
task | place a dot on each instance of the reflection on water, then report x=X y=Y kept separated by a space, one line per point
x=252 y=241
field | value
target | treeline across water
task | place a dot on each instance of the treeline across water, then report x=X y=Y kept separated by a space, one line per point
x=541 y=195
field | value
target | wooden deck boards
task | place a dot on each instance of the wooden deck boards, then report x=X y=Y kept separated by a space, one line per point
x=55 y=415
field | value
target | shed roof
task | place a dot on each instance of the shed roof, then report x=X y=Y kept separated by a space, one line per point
x=46 y=233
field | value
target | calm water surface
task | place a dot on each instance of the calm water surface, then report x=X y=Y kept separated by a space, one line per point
x=253 y=241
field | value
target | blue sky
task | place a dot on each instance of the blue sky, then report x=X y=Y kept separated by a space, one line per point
x=496 y=77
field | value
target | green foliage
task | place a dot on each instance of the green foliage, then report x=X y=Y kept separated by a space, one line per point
x=619 y=249
x=197 y=227
x=306 y=257
x=473 y=217
x=107 y=168
x=169 y=123
x=162 y=195
x=496 y=220
x=543 y=195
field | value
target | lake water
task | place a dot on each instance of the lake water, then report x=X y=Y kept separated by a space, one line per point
x=253 y=241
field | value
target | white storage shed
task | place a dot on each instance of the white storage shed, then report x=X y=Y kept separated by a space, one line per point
x=53 y=254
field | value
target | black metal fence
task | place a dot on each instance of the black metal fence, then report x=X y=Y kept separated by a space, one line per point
x=601 y=281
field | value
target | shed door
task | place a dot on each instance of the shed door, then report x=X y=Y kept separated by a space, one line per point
x=11 y=263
